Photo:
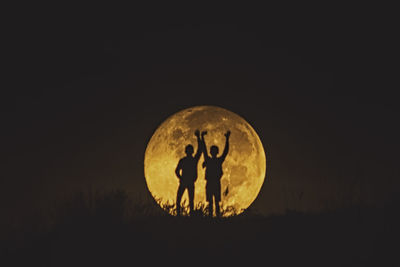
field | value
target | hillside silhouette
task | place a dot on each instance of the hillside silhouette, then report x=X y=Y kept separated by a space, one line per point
x=111 y=230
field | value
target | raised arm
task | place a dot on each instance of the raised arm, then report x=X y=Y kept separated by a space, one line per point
x=203 y=144
x=199 y=145
x=226 y=149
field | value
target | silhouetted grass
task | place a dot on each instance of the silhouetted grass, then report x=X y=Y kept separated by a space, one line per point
x=111 y=230
x=200 y=209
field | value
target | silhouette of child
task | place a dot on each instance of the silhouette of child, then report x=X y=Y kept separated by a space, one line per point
x=214 y=172
x=186 y=171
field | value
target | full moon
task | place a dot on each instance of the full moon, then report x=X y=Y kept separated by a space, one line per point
x=243 y=169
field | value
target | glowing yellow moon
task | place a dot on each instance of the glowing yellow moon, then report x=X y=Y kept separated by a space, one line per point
x=244 y=167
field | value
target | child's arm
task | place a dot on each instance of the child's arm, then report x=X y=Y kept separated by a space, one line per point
x=203 y=142
x=226 y=149
x=199 y=145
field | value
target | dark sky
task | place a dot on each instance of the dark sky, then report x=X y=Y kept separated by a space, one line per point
x=87 y=91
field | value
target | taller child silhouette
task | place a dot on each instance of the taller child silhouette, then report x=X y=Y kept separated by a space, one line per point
x=186 y=171
x=214 y=172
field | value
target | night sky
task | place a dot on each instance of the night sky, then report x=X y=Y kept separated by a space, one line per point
x=87 y=92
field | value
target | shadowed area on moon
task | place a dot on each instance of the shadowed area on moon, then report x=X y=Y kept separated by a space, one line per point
x=244 y=167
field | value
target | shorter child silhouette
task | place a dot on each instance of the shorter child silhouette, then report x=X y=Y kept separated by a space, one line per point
x=186 y=171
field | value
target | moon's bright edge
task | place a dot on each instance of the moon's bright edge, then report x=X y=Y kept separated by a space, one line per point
x=244 y=167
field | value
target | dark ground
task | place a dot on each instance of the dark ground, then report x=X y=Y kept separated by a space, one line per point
x=111 y=231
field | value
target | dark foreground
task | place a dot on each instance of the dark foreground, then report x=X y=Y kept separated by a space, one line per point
x=102 y=237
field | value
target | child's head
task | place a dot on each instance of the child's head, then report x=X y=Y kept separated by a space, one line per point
x=189 y=150
x=214 y=151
